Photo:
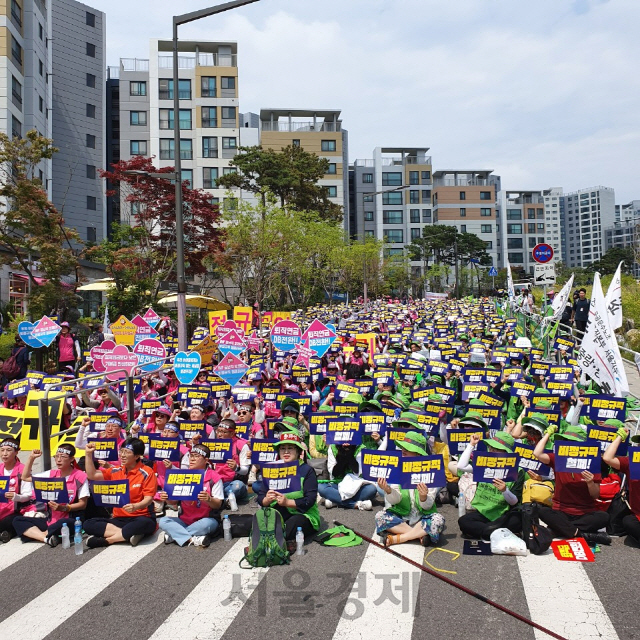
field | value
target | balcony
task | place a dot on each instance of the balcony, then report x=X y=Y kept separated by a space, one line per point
x=199 y=60
x=461 y=182
x=134 y=64
x=292 y=127
x=401 y=162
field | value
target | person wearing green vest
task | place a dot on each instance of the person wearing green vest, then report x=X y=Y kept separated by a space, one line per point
x=493 y=503
x=297 y=508
x=409 y=514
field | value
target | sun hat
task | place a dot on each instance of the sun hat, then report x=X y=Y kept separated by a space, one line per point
x=473 y=419
x=289 y=404
x=537 y=421
x=291 y=437
x=415 y=442
x=369 y=405
x=163 y=411
x=501 y=440
x=286 y=424
x=573 y=433
x=407 y=420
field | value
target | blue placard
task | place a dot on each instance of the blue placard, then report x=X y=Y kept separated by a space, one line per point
x=187 y=366
x=161 y=448
x=427 y=470
x=575 y=457
x=471 y=390
x=281 y=476
x=183 y=484
x=51 y=490
x=191 y=428
x=110 y=493
x=605 y=435
x=381 y=464
x=318 y=422
x=17 y=388
x=522 y=389
x=4 y=487
x=221 y=450
x=25 y=331
x=528 y=461
x=561 y=389
x=263 y=451
x=605 y=407
x=92 y=383
x=345 y=430
x=634 y=463
x=372 y=423
x=106 y=449
x=457 y=439
x=489 y=466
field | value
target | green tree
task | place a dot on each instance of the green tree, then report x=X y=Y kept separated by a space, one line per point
x=609 y=261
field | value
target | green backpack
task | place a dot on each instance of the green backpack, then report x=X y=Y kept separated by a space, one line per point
x=267 y=546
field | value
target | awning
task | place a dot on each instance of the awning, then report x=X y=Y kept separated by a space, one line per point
x=202 y=302
x=39 y=281
x=104 y=284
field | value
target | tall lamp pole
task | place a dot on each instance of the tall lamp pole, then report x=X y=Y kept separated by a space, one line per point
x=182 y=285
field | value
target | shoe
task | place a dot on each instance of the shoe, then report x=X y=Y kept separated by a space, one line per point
x=597 y=538
x=133 y=540
x=319 y=499
x=94 y=542
x=167 y=538
x=200 y=541
x=171 y=507
x=53 y=540
x=364 y=505
x=158 y=507
x=5 y=536
x=252 y=478
x=328 y=504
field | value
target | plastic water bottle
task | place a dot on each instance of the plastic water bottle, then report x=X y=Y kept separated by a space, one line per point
x=226 y=528
x=64 y=534
x=77 y=538
x=299 y=542
x=233 y=503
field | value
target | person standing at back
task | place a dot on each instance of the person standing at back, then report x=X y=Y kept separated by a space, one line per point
x=581 y=310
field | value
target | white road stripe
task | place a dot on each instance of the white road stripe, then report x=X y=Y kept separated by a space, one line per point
x=561 y=597
x=387 y=619
x=14 y=550
x=200 y=615
x=58 y=603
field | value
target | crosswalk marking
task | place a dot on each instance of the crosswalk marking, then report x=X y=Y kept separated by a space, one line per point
x=51 y=608
x=200 y=614
x=388 y=618
x=561 y=597
x=14 y=550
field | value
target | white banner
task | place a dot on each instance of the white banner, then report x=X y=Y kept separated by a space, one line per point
x=613 y=299
x=510 y=290
x=560 y=301
x=599 y=355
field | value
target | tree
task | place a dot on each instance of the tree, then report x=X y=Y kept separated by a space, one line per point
x=290 y=176
x=32 y=230
x=610 y=260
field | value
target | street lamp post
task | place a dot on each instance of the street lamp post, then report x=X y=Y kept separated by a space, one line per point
x=182 y=285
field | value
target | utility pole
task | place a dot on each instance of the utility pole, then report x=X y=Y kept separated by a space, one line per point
x=455 y=263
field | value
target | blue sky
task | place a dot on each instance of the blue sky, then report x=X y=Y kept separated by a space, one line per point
x=545 y=93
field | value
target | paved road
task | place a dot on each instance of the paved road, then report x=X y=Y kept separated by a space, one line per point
x=165 y=592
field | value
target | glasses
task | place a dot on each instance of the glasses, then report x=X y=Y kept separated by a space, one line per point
x=243 y=412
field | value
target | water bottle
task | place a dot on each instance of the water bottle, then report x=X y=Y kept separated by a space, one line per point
x=299 y=542
x=64 y=534
x=226 y=528
x=233 y=503
x=77 y=538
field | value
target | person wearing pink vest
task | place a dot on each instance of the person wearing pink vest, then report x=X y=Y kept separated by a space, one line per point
x=10 y=477
x=196 y=523
x=234 y=472
x=47 y=529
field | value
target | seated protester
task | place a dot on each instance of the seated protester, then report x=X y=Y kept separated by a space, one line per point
x=309 y=389
x=16 y=493
x=195 y=523
x=132 y=522
x=249 y=413
x=112 y=429
x=289 y=408
x=409 y=514
x=631 y=523
x=106 y=399
x=234 y=472
x=298 y=508
x=48 y=529
x=493 y=503
x=575 y=509
x=342 y=461
x=196 y=413
x=171 y=430
x=159 y=418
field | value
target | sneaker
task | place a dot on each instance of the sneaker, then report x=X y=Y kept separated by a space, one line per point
x=5 y=536
x=53 y=540
x=167 y=538
x=200 y=541
x=93 y=542
x=319 y=499
x=364 y=505
x=328 y=504
x=133 y=540
x=158 y=507
x=597 y=538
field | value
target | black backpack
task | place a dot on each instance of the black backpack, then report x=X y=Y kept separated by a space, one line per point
x=618 y=510
x=537 y=537
x=11 y=368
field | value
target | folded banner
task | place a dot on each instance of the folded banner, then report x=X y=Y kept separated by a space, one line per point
x=183 y=484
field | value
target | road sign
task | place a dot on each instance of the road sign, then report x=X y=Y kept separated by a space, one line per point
x=544 y=274
x=493 y=272
x=192 y=289
x=542 y=253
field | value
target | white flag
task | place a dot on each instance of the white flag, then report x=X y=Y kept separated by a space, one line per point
x=560 y=301
x=614 y=299
x=599 y=355
x=510 y=290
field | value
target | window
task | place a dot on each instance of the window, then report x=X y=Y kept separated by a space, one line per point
x=531 y=227
x=394 y=197
x=295 y=142
x=488 y=244
x=426 y=175
x=92 y=203
x=485 y=213
x=367 y=178
x=394 y=236
x=415 y=233
x=514 y=243
x=426 y=215
x=209 y=117
x=485 y=228
x=91 y=234
x=332 y=170
x=187 y=176
x=414 y=177
x=138 y=147
x=165 y=89
x=40 y=104
x=540 y=214
x=16 y=52
x=138 y=118
x=90 y=141
x=426 y=196
x=91 y=50
x=186 y=149
x=514 y=214
x=16 y=127
x=515 y=258
x=16 y=13
x=229 y=143
x=167 y=147
x=463 y=228
x=209 y=177
x=91 y=172
x=390 y=253
x=209 y=147
x=91 y=110
x=40 y=31
x=540 y=226
x=90 y=19
x=367 y=197
x=16 y=92
x=208 y=87
x=40 y=67
x=137 y=88
x=463 y=212
x=414 y=197
x=392 y=217
x=91 y=81
x=514 y=229
x=328 y=145
x=368 y=216
x=166 y=119
x=414 y=216
x=228 y=82
x=332 y=192
x=369 y=233
x=463 y=195
x=392 y=179
x=485 y=195
x=228 y=113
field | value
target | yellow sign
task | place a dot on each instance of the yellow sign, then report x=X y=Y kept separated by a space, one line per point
x=68 y=438
x=207 y=349
x=10 y=423
x=30 y=436
x=371 y=340
x=124 y=331
x=243 y=317
x=216 y=319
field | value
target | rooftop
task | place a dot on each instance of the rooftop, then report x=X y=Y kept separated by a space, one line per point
x=267 y=114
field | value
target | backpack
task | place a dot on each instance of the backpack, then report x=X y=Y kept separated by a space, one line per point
x=537 y=537
x=538 y=492
x=11 y=368
x=267 y=546
x=93 y=341
x=618 y=510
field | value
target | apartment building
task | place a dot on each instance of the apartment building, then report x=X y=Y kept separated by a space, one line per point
x=318 y=131
x=628 y=212
x=588 y=212
x=208 y=117
x=554 y=220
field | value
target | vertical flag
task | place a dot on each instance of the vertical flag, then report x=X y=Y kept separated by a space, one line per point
x=613 y=300
x=560 y=301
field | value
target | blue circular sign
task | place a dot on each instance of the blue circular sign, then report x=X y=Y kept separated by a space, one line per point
x=542 y=253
